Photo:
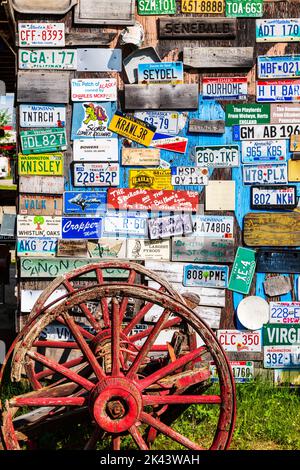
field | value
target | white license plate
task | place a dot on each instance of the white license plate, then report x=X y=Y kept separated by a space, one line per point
x=263 y=151
x=42 y=115
x=284 y=312
x=273 y=198
x=278 y=90
x=41 y=34
x=125 y=225
x=278 y=67
x=213 y=226
x=217 y=156
x=189 y=175
x=240 y=341
x=62 y=59
x=265 y=131
x=36 y=247
x=98 y=150
x=243 y=371
x=282 y=357
x=95 y=174
x=166 y=122
x=173 y=225
x=265 y=174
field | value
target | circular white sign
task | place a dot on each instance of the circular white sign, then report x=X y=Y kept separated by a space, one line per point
x=253 y=312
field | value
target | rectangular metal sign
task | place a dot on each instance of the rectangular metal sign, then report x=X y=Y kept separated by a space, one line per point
x=242 y=371
x=204 y=275
x=265 y=132
x=278 y=90
x=244 y=8
x=140 y=156
x=41 y=34
x=86 y=202
x=272 y=229
x=40 y=204
x=43 y=140
x=281 y=335
x=36 y=246
x=98 y=150
x=99 y=59
x=278 y=66
x=156 y=7
x=148 y=249
x=214 y=226
x=248 y=113
x=277 y=261
x=183 y=96
x=218 y=156
x=278 y=30
x=240 y=341
x=42 y=115
x=285 y=113
x=281 y=357
x=176 y=144
x=150 y=179
x=285 y=312
x=242 y=271
x=132 y=128
x=189 y=175
x=123 y=225
x=93 y=89
x=38 y=226
x=41 y=184
x=225 y=88
x=169 y=226
x=81 y=227
x=203 y=6
x=272 y=197
x=264 y=151
x=48 y=59
x=90 y=120
x=265 y=174
x=166 y=122
x=92 y=174
x=202 y=249
x=161 y=73
x=143 y=199
x=197 y=28
x=51 y=164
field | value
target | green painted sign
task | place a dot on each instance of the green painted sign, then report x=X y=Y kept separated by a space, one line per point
x=281 y=335
x=242 y=270
x=237 y=114
x=156 y=7
x=43 y=140
x=244 y=8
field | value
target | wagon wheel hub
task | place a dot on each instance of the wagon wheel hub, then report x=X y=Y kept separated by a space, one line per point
x=115 y=404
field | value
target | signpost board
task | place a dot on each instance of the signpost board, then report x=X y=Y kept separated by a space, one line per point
x=132 y=128
x=272 y=229
x=169 y=226
x=242 y=271
x=197 y=28
x=278 y=30
x=265 y=174
x=265 y=132
x=240 y=341
x=285 y=312
x=166 y=122
x=94 y=89
x=244 y=8
x=36 y=246
x=160 y=72
x=92 y=174
x=278 y=66
x=278 y=90
x=204 y=275
x=81 y=227
x=41 y=34
x=281 y=335
x=156 y=7
x=203 y=6
x=40 y=204
x=41 y=184
x=217 y=156
x=218 y=57
x=225 y=88
x=38 y=226
x=202 y=249
x=189 y=175
x=264 y=151
x=98 y=150
x=272 y=197
x=43 y=140
x=48 y=59
x=51 y=164
x=86 y=202
x=247 y=113
x=42 y=115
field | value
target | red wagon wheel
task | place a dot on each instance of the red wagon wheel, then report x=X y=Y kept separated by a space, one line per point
x=121 y=387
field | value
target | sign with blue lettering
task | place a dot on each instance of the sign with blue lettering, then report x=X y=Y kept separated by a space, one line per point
x=281 y=357
x=265 y=174
x=90 y=120
x=278 y=90
x=36 y=247
x=77 y=228
x=164 y=121
x=278 y=30
x=124 y=226
x=161 y=72
x=86 y=202
x=204 y=275
x=278 y=66
x=273 y=197
x=263 y=151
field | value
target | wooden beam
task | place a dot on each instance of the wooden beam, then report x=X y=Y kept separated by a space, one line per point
x=218 y=57
x=43 y=87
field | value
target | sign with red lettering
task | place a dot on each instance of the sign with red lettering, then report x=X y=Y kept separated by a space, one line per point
x=240 y=341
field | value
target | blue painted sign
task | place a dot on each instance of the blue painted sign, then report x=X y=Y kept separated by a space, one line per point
x=161 y=72
x=278 y=66
x=204 y=275
x=85 y=202
x=90 y=120
x=77 y=228
x=36 y=247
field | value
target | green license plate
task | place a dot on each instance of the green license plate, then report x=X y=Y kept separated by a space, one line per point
x=43 y=140
x=156 y=7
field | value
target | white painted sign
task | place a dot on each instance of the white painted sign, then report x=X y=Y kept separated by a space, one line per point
x=94 y=89
x=217 y=156
x=213 y=226
x=148 y=249
x=264 y=151
x=41 y=34
x=38 y=226
x=265 y=174
x=240 y=341
x=189 y=175
x=95 y=174
x=42 y=115
x=284 y=312
x=50 y=59
x=98 y=150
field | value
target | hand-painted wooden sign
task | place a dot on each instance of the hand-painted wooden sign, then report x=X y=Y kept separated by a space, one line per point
x=140 y=157
x=38 y=226
x=43 y=87
x=265 y=132
x=148 y=249
x=150 y=179
x=93 y=174
x=203 y=6
x=240 y=341
x=218 y=156
x=86 y=202
x=205 y=275
x=43 y=140
x=278 y=90
x=72 y=248
x=276 y=261
x=244 y=8
x=36 y=246
x=265 y=174
x=284 y=312
x=169 y=226
x=90 y=120
x=48 y=59
x=225 y=88
x=214 y=226
x=98 y=150
x=156 y=7
x=283 y=113
x=81 y=227
x=143 y=199
x=160 y=73
x=98 y=59
x=202 y=249
x=206 y=127
x=218 y=57
x=242 y=371
x=107 y=248
x=272 y=229
x=41 y=34
x=124 y=226
x=189 y=175
x=165 y=121
x=275 y=286
x=272 y=197
x=278 y=30
x=41 y=184
x=40 y=204
x=197 y=28
x=42 y=115
x=281 y=357
x=41 y=164
x=247 y=113
x=281 y=335
x=264 y=151
x=182 y=96
x=132 y=128
x=242 y=271
x=94 y=89
x=278 y=66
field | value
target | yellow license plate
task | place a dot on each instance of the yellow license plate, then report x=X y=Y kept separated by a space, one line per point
x=132 y=128
x=150 y=179
x=41 y=164
x=203 y=6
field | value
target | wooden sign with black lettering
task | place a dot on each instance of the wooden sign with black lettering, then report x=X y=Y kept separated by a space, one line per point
x=272 y=229
x=206 y=127
x=195 y=27
x=43 y=87
x=278 y=261
x=218 y=57
x=180 y=96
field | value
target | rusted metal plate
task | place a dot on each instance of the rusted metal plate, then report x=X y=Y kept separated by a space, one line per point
x=277 y=285
x=140 y=157
x=272 y=229
x=206 y=127
x=72 y=248
x=202 y=249
x=38 y=204
x=104 y=12
x=43 y=87
x=218 y=57
x=41 y=184
x=278 y=261
x=52 y=7
x=183 y=96
x=197 y=28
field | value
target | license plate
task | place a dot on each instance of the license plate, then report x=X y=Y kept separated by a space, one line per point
x=125 y=226
x=213 y=226
x=263 y=151
x=229 y=88
x=278 y=30
x=203 y=6
x=218 y=156
x=278 y=90
x=51 y=164
x=284 y=312
x=43 y=140
x=156 y=7
x=132 y=128
x=281 y=357
x=38 y=226
x=265 y=174
x=36 y=247
x=98 y=150
x=265 y=132
x=150 y=179
x=95 y=174
x=164 y=121
x=244 y=8
x=189 y=175
x=160 y=73
x=240 y=341
x=273 y=198
x=57 y=332
x=50 y=59
x=204 y=275
x=41 y=34
x=243 y=371
x=278 y=67
x=42 y=115
x=173 y=225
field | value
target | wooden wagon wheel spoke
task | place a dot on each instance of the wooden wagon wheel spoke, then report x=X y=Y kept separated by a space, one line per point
x=115 y=339
x=124 y=302
x=44 y=401
x=45 y=373
x=145 y=333
x=116 y=443
x=84 y=308
x=96 y=435
x=181 y=399
x=103 y=301
x=137 y=437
